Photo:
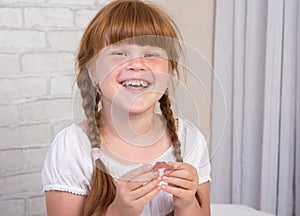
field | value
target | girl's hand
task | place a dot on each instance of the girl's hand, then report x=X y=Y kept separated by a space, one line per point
x=182 y=183
x=135 y=189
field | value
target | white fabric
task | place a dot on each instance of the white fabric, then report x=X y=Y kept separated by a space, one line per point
x=257 y=61
x=68 y=165
x=235 y=210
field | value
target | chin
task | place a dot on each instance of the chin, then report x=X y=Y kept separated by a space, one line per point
x=139 y=109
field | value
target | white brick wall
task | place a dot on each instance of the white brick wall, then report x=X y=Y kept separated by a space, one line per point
x=11 y=17
x=22 y=87
x=47 y=62
x=38 y=44
x=48 y=17
x=9 y=64
x=21 y=40
x=64 y=40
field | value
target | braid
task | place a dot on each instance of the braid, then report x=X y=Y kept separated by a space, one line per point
x=88 y=95
x=165 y=107
x=103 y=189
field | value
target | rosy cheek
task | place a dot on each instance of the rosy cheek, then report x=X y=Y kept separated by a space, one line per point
x=161 y=69
x=117 y=61
x=101 y=73
x=158 y=65
x=105 y=71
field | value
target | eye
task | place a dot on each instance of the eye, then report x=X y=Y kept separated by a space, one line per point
x=119 y=53
x=150 y=55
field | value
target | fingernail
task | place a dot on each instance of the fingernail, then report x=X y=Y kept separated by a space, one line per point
x=164 y=178
x=159 y=178
x=163 y=186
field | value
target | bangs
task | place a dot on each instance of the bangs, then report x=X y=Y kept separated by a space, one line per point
x=134 y=18
x=134 y=22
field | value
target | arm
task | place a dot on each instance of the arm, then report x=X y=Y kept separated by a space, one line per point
x=194 y=208
x=64 y=203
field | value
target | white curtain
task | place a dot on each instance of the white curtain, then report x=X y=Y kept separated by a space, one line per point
x=257 y=61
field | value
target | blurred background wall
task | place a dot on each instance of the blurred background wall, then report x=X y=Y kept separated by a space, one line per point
x=195 y=19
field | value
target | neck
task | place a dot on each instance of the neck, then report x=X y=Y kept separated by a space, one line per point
x=134 y=128
x=139 y=124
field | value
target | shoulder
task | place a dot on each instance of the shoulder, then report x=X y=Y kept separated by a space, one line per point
x=65 y=136
x=71 y=140
x=188 y=131
x=68 y=165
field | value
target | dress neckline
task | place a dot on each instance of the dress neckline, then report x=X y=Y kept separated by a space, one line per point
x=107 y=157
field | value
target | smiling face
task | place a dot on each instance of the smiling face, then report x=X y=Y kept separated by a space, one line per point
x=132 y=78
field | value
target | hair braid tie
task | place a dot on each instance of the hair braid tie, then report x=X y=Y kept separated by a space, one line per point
x=96 y=154
x=97 y=112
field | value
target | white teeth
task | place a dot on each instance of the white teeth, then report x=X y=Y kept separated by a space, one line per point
x=135 y=83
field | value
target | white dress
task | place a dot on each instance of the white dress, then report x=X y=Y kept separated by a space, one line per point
x=69 y=167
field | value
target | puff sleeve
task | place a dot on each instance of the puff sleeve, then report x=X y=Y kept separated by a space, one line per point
x=67 y=167
x=195 y=150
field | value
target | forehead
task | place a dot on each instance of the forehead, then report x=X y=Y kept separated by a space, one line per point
x=134 y=47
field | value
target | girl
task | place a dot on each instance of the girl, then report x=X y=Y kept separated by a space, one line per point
x=126 y=159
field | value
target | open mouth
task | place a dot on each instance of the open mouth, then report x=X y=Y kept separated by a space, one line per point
x=135 y=83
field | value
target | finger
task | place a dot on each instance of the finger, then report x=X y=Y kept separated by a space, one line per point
x=167 y=171
x=183 y=174
x=178 y=182
x=171 y=166
x=136 y=172
x=175 y=165
x=142 y=179
x=176 y=191
x=146 y=188
x=145 y=177
x=161 y=165
x=143 y=200
x=181 y=166
x=184 y=171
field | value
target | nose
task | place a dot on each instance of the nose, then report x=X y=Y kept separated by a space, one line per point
x=136 y=64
